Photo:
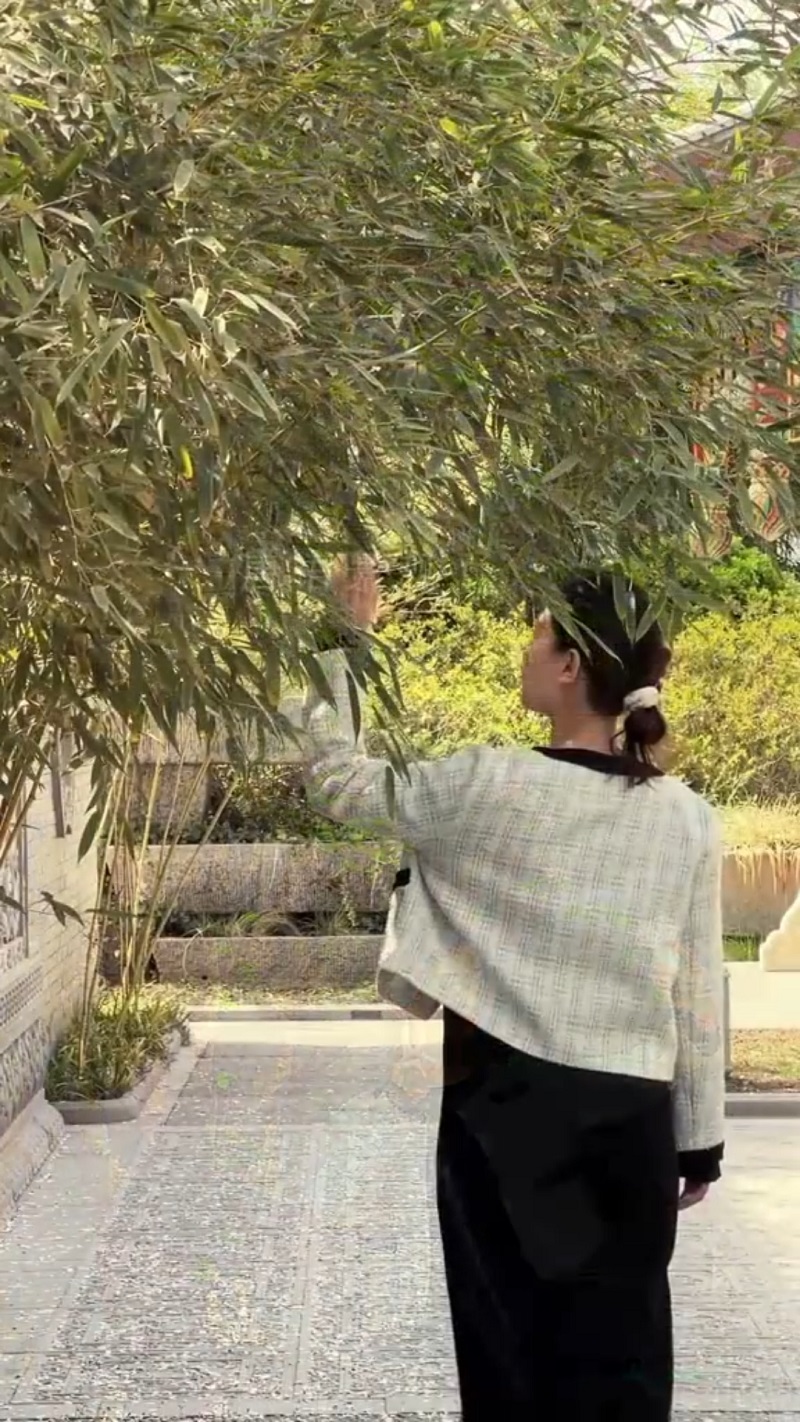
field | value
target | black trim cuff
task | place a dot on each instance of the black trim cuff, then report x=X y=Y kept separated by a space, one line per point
x=701 y=1167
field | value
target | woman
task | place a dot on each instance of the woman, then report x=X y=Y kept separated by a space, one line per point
x=563 y=906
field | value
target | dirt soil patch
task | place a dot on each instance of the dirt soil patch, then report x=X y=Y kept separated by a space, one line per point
x=765 y=1061
x=222 y=995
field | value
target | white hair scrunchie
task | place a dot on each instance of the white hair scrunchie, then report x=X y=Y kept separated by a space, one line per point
x=645 y=698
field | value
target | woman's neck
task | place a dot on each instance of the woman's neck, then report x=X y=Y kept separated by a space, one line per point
x=584 y=731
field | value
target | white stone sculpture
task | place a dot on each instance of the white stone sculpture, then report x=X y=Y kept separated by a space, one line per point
x=780 y=951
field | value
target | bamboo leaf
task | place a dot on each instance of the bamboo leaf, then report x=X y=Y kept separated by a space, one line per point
x=64 y=913
x=168 y=332
x=33 y=249
x=355 y=704
x=119 y=525
x=12 y=281
x=184 y=174
x=47 y=418
x=273 y=676
x=71 y=280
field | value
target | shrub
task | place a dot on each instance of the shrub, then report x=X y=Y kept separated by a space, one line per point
x=750 y=582
x=268 y=802
x=459 y=671
x=734 y=706
x=108 y=1047
x=733 y=699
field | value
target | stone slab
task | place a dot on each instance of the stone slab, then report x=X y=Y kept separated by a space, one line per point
x=356 y=1013
x=763 y=1103
x=760 y=1000
x=238 y=1022
x=257 y=1410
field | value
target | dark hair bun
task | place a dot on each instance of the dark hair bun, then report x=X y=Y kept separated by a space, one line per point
x=645 y=728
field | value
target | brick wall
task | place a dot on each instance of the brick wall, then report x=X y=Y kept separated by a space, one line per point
x=53 y=868
x=41 y=961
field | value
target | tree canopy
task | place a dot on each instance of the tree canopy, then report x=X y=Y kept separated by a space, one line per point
x=282 y=280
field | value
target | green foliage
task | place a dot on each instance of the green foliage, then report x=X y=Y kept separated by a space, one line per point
x=742 y=950
x=750 y=581
x=280 y=280
x=105 y=1053
x=710 y=88
x=459 y=671
x=268 y=802
x=733 y=697
x=734 y=706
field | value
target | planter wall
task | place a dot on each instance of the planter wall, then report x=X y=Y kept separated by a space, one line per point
x=180 y=763
x=192 y=749
x=220 y=880
x=757 y=889
x=280 y=964
x=180 y=798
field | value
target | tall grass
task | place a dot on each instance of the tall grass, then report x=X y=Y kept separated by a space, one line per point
x=106 y=1052
x=772 y=826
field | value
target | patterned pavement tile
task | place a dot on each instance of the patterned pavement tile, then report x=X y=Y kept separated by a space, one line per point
x=263 y=1244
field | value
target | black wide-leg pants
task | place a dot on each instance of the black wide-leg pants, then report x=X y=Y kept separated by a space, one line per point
x=558 y=1213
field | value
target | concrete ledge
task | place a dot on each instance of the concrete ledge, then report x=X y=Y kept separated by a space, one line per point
x=24 y=1149
x=358 y=1012
x=766 y=1104
x=117 y=1109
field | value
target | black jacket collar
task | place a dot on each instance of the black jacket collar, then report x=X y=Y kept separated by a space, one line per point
x=609 y=764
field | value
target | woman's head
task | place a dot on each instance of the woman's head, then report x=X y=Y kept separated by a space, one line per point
x=597 y=667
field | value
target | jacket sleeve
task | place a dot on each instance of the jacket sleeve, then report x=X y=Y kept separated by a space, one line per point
x=413 y=805
x=699 y=1093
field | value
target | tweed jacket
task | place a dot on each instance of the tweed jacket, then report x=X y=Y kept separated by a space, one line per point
x=565 y=912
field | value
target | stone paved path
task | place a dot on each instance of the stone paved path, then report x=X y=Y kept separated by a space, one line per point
x=263 y=1244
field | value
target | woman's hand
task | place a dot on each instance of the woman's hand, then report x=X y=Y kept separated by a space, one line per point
x=692 y=1194
x=354 y=582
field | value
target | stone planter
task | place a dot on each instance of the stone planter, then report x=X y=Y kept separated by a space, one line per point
x=279 y=964
x=192 y=749
x=176 y=796
x=757 y=889
x=225 y=880
x=116 y=1109
x=182 y=792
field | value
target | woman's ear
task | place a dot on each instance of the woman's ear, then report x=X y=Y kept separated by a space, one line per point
x=572 y=667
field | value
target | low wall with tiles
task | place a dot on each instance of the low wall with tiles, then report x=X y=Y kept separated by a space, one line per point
x=41 y=967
